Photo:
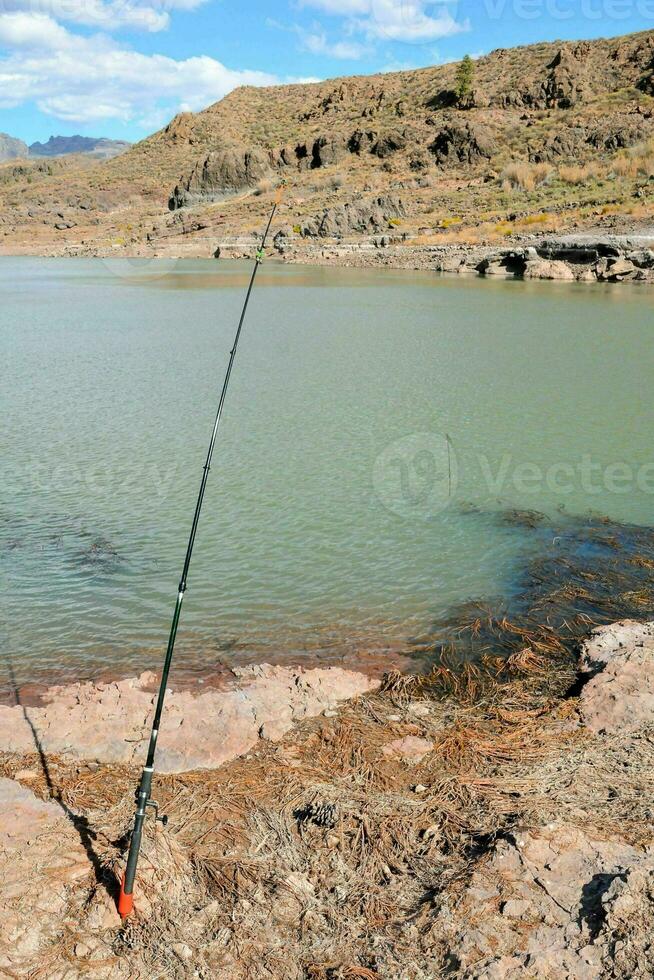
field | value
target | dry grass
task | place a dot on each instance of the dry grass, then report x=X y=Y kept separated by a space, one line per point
x=578 y=174
x=525 y=176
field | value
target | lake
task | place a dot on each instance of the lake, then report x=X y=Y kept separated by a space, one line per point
x=375 y=425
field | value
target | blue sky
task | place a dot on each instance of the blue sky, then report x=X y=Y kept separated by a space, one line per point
x=123 y=68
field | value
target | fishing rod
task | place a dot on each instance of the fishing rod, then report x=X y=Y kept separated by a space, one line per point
x=143 y=799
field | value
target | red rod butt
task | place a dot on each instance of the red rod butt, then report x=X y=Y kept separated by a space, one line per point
x=125 y=902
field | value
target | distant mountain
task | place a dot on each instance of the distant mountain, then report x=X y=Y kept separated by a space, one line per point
x=58 y=146
x=11 y=148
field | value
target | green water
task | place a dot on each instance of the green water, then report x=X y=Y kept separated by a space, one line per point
x=367 y=411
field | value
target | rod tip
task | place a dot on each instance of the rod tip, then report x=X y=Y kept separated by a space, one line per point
x=125 y=902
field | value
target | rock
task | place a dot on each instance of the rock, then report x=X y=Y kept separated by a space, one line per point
x=26 y=775
x=41 y=859
x=515 y=908
x=284 y=234
x=420 y=709
x=360 y=140
x=183 y=951
x=220 y=174
x=110 y=722
x=564 y=145
x=388 y=144
x=566 y=82
x=547 y=269
x=619 y=697
x=327 y=150
x=615 y=270
x=358 y=216
x=495 y=266
x=467 y=144
x=607 y=642
x=180 y=128
x=546 y=903
x=411 y=748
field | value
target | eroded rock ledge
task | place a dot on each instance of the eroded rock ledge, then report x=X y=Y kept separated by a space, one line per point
x=583 y=258
x=111 y=722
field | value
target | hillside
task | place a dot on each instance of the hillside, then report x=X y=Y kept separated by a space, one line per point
x=552 y=137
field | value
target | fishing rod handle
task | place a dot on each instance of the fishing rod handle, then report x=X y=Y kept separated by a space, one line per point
x=125 y=899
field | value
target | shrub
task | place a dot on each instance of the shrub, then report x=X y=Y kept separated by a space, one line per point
x=524 y=176
x=577 y=174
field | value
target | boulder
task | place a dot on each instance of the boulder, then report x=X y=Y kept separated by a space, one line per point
x=566 y=82
x=462 y=143
x=327 y=150
x=360 y=140
x=220 y=174
x=358 y=216
x=548 y=269
x=619 y=697
x=615 y=269
x=388 y=144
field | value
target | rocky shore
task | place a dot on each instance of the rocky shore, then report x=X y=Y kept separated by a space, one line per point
x=492 y=822
x=583 y=258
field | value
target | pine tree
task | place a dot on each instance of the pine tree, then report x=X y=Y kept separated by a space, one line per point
x=464 y=77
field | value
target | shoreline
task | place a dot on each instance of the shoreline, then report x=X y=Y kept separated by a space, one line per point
x=586 y=257
x=485 y=821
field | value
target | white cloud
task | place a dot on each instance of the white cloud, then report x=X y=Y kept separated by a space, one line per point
x=315 y=42
x=412 y=21
x=106 y=15
x=346 y=8
x=32 y=31
x=82 y=79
